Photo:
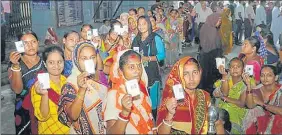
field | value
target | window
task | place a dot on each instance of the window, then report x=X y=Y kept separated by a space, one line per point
x=105 y=10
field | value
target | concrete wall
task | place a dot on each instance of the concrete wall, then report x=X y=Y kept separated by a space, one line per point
x=43 y=19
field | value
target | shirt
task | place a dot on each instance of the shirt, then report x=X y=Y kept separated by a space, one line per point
x=249 y=11
x=202 y=15
x=238 y=9
x=260 y=15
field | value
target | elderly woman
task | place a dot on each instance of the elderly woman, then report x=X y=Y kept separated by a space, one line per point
x=151 y=48
x=123 y=113
x=22 y=71
x=265 y=113
x=80 y=105
x=188 y=116
x=124 y=19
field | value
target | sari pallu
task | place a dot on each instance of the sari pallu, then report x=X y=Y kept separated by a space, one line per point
x=260 y=121
x=141 y=119
x=90 y=120
x=226 y=32
x=25 y=120
x=190 y=116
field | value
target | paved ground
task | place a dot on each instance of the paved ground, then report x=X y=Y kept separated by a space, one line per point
x=7 y=110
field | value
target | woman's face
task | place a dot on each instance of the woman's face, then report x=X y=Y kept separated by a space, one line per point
x=141 y=12
x=149 y=13
x=267 y=76
x=71 y=40
x=153 y=22
x=124 y=20
x=161 y=12
x=192 y=75
x=55 y=63
x=133 y=68
x=247 y=48
x=30 y=44
x=236 y=68
x=131 y=24
x=173 y=14
x=143 y=25
x=158 y=18
x=83 y=33
x=86 y=53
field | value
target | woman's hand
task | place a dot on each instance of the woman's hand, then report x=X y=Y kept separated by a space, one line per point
x=222 y=71
x=96 y=39
x=145 y=58
x=39 y=90
x=171 y=105
x=170 y=31
x=258 y=101
x=217 y=93
x=218 y=22
x=126 y=103
x=14 y=57
x=246 y=78
x=82 y=79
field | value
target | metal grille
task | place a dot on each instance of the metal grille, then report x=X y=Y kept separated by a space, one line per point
x=20 y=18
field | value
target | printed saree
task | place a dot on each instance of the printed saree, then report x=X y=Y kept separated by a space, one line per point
x=190 y=116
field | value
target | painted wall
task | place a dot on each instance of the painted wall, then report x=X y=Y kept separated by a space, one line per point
x=43 y=19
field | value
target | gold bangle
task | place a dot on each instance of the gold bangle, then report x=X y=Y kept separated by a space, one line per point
x=16 y=66
x=79 y=97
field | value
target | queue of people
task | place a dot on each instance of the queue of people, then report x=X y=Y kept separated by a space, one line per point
x=127 y=62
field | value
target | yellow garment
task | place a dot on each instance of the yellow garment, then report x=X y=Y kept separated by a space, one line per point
x=226 y=31
x=49 y=124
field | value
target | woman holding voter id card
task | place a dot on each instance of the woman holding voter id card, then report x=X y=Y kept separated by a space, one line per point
x=46 y=92
x=265 y=103
x=22 y=70
x=184 y=107
x=80 y=105
x=128 y=107
x=253 y=62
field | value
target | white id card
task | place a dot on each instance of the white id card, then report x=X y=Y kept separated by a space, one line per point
x=249 y=69
x=20 y=46
x=220 y=61
x=125 y=28
x=44 y=80
x=173 y=27
x=132 y=87
x=95 y=32
x=178 y=91
x=89 y=35
x=118 y=29
x=136 y=49
x=89 y=66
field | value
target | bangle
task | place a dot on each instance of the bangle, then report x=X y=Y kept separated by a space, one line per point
x=170 y=125
x=79 y=97
x=123 y=118
x=223 y=80
x=224 y=99
x=16 y=70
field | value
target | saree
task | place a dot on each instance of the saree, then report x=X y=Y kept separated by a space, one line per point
x=225 y=31
x=236 y=114
x=260 y=121
x=141 y=119
x=25 y=120
x=90 y=120
x=190 y=116
x=49 y=124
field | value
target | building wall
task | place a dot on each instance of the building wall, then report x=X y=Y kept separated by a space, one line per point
x=43 y=19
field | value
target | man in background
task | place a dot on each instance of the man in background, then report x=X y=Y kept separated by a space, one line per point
x=249 y=19
x=239 y=19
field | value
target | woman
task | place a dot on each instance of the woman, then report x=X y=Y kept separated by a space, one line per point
x=125 y=114
x=151 y=48
x=124 y=19
x=265 y=112
x=149 y=13
x=188 y=116
x=132 y=28
x=250 y=56
x=226 y=31
x=211 y=48
x=70 y=40
x=83 y=32
x=45 y=101
x=80 y=106
x=231 y=90
x=272 y=53
x=171 y=27
x=22 y=71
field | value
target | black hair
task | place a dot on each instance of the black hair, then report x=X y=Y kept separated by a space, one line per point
x=269 y=40
x=105 y=20
x=273 y=68
x=254 y=41
x=154 y=17
x=162 y=9
x=50 y=49
x=134 y=10
x=113 y=23
x=237 y=58
x=84 y=25
x=25 y=33
x=193 y=60
x=173 y=10
x=224 y=116
x=151 y=11
x=141 y=8
x=124 y=57
x=68 y=33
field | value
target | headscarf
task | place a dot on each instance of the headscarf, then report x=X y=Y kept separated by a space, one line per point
x=181 y=116
x=209 y=34
x=134 y=21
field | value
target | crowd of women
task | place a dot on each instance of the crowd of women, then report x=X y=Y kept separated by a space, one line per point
x=81 y=103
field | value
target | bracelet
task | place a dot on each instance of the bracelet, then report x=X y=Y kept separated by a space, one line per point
x=124 y=117
x=79 y=97
x=16 y=70
x=224 y=99
x=170 y=125
x=223 y=80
